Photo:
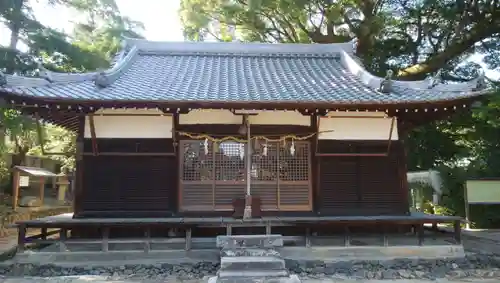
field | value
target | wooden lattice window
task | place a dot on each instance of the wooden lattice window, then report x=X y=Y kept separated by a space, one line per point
x=281 y=175
x=212 y=175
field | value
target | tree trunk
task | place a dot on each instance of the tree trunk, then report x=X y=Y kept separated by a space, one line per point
x=439 y=60
x=15 y=28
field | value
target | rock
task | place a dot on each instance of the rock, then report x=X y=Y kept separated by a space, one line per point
x=30 y=201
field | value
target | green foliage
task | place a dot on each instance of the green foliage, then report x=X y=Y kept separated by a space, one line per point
x=91 y=46
x=416 y=37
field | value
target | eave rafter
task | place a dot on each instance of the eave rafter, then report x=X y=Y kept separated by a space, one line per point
x=67 y=113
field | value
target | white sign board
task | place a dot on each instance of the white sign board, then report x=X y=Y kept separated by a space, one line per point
x=24 y=181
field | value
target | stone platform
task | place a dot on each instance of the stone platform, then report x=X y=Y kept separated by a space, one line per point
x=252 y=258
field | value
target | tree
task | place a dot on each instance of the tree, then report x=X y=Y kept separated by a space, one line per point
x=421 y=36
x=91 y=46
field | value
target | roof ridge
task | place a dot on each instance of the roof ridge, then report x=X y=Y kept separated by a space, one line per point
x=238 y=47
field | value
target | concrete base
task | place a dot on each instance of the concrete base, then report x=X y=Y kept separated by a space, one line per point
x=327 y=254
x=333 y=254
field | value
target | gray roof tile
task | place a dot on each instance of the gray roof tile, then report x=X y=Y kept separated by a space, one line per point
x=207 y=72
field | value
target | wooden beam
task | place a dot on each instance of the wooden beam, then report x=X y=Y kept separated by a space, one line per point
x=351 y=154
x=130 y=154
x=95 y=150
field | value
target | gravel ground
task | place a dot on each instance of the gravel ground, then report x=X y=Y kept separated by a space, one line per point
x=482 y=261
x=475 y=266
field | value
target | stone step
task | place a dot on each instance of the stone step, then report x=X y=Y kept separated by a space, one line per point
x=252 y=273
x=290 y=279
x=242 y=241
x=252 y=263
x=248 y=252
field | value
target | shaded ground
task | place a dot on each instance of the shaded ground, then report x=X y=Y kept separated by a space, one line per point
x=478 y=243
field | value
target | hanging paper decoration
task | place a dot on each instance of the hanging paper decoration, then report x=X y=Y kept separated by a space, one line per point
x=205 y=144
x=264 y=150
x=292 y=148
x=242 y=151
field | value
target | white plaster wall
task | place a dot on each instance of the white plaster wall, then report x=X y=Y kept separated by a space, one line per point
x=133 y=126
x=363 y=126
x=264 y=117
x=280 y=118
x=210 y=116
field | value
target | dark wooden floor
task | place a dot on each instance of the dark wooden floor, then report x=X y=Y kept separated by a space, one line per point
x=67 y=219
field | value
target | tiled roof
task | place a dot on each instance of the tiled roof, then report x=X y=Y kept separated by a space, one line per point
x=233 y=72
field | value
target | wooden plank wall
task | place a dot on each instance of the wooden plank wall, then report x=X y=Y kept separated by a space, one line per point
x=361 y=185
x=135 y=186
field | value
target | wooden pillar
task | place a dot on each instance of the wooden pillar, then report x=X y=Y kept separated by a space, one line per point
x=458 y=231
x=43 y=232
x=105 y=239
x=42 y=190
x=314 y=167
x=420 y=234
x=147 y=239
x=175 y=194
x=15 y=189
x=21 y=238
x=188 y=239
x=63 y=236
x=78 y=177
x=347 y=236
x=403 y=167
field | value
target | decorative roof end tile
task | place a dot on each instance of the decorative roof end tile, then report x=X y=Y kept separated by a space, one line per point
x=101 y=80
x=386 y=83
x=44 y=73
x=435 y=80
x=480 y=81
x=3 y=79
x=354 y=43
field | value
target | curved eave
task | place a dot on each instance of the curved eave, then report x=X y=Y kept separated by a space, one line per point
x=353 y=65
x=20 y=99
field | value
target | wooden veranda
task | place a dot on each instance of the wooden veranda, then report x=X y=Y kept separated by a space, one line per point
x=65 y=223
